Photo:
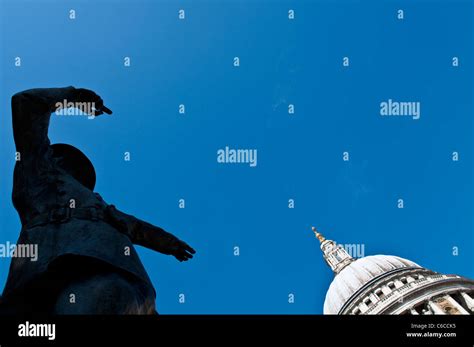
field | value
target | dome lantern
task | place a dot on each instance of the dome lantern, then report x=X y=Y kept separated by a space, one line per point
x=335 y=255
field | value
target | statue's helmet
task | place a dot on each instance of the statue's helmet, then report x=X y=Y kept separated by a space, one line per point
x=75 y=163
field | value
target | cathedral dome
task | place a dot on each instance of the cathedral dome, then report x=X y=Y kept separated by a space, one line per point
x=386 y=284
x=356 y=274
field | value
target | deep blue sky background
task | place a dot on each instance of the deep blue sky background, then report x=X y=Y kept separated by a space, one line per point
x=300 y=156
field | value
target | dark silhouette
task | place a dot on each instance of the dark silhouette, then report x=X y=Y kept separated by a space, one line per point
x=86 y=261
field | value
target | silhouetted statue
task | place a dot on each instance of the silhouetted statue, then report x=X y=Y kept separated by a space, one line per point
x=86 y=261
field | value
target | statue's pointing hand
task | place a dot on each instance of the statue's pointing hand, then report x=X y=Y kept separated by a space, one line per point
x=182 y=251
x=89 y=96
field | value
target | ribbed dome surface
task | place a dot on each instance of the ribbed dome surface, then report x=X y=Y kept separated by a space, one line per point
x=358 y=273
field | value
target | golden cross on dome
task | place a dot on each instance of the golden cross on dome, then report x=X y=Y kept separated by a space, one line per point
x=318 y=235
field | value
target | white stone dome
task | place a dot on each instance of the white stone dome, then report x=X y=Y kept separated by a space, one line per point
x=356 y=274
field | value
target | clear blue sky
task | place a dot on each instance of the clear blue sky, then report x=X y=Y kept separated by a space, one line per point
x=300 y=156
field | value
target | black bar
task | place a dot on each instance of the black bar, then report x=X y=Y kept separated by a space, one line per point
x=317 y=330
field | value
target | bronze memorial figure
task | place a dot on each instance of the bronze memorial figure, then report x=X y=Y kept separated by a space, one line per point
x=86 y=260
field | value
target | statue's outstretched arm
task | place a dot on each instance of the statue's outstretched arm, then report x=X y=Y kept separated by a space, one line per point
x=148 y=235
x=31 y=112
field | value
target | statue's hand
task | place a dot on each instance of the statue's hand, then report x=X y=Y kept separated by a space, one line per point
x=182 y=251
x=89 y=96
x=162 y=241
